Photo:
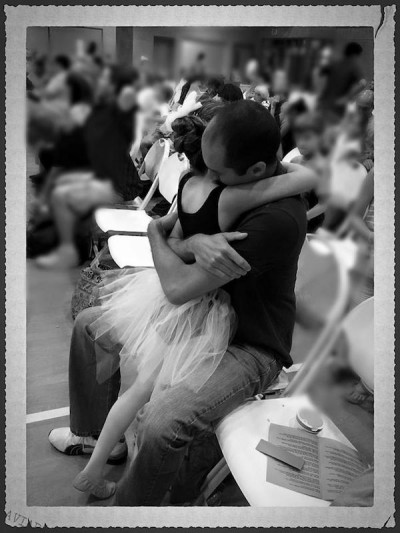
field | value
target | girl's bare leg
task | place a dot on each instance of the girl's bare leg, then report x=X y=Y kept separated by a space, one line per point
x=118 y=420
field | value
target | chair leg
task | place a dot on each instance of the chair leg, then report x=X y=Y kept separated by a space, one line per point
x=213 y=480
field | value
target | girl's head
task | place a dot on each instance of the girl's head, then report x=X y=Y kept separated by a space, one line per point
x=308 y=130
x=188 y=132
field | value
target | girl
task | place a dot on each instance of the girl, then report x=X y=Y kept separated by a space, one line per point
x=174 y=343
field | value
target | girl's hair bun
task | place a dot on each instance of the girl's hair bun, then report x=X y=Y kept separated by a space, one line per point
x=188 y=132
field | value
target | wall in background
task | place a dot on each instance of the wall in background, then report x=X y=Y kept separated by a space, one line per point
x=62 y=40
x=222 y=45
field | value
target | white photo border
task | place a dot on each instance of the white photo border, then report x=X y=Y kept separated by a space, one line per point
x=17 y=20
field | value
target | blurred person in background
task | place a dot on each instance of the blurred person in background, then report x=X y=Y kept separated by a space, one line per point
x=344 y=80
x=261 y=95
x=108 y=134
x=322 y=69
x=289 y=111
x=254 y=76
x=308 y=132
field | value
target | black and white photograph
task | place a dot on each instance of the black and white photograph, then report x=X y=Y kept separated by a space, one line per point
x=200 y=300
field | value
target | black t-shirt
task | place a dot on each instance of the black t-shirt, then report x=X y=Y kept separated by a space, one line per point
x=109 y=136
x=264 y=299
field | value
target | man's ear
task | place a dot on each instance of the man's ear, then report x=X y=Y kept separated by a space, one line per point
x=258 y=170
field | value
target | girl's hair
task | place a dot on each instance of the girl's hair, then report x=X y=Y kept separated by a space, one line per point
x=188 y=132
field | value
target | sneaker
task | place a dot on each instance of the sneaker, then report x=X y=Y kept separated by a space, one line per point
x=63 y=440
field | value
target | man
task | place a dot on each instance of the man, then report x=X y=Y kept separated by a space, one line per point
x=259 y=272
x=344 y=80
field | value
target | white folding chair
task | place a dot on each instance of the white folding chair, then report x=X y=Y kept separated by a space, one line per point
x=323 y=286
x=134 y=251
x=170 y=175
x=358 y=329
x=155 y=158
x=291 y=155
x=239 y=432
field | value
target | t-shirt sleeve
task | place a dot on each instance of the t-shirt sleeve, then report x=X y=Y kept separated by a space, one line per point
x=272 y=239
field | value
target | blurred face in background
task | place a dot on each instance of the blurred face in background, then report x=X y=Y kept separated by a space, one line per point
x=308 y=142
x=261 y=94
x=252 y=71
x=280 y=82
x=326 y=56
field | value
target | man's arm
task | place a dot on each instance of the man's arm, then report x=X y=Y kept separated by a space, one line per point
x=180 y=282
x=212 y=253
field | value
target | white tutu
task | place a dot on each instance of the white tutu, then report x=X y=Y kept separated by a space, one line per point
x=166 y=342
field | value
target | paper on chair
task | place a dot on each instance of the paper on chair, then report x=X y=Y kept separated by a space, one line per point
x=328 y=468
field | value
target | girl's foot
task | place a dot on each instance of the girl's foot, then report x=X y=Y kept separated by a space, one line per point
x=101 y=488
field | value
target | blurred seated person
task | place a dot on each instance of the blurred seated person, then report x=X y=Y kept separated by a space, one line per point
x=308 y=130
x=344 y=80
x=108 y=134
x=191 y=82
x=214 y=84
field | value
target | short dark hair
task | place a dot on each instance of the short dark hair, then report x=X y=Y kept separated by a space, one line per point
x=353 y=49
x=249 y=134
x=63 y=61
x=122 y=75
x=230 y=93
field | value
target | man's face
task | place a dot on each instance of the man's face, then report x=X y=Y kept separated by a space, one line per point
x=214 y=158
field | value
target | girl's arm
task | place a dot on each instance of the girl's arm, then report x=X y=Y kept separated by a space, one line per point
x=235 y=201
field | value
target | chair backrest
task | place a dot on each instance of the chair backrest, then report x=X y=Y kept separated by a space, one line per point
x=347 y=178
x=291 y=155
x=322 y=289
x=358 y=327
x=155 y=157
x=170 y=174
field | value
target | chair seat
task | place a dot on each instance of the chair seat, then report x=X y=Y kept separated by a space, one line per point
x=130 y=251
x=238 y=435
x=122 y=220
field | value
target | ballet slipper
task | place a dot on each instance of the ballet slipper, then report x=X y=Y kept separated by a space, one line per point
x=102 y=489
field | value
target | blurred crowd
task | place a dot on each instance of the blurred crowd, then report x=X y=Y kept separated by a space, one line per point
x=90 y=124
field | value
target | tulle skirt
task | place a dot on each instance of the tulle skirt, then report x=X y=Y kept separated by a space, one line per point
x=165 y=343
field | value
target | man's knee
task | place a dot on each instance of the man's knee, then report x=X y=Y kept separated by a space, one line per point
x=157 y=422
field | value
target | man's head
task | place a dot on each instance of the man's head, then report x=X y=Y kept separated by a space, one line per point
x=240 y=143
x=114 y=79
x=353 y=51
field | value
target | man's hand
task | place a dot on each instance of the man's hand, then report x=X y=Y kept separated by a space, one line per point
x=214 y=254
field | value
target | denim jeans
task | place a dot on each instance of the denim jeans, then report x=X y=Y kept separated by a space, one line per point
x=171 y=420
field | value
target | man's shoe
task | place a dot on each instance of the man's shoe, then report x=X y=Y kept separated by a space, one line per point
x=63 y=440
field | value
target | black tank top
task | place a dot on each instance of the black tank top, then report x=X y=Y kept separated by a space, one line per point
x=205 y=219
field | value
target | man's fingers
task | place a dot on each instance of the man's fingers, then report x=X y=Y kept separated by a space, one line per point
x=234 y=236
x=238 y=260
